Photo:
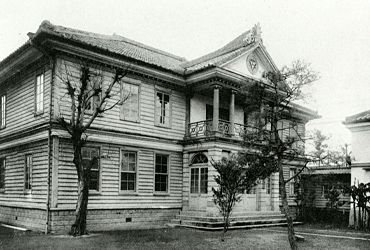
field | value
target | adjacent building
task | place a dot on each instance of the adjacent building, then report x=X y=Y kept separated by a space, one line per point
x=359 y=125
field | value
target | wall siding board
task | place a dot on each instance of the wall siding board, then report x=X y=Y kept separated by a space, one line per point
x=14 y=175
x=110 y=194
x=111 y=119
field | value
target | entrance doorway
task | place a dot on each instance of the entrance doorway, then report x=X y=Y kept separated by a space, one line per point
x=198 y=194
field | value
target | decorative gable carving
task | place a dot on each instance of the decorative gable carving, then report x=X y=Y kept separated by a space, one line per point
x=254 y=36
x=253 y=63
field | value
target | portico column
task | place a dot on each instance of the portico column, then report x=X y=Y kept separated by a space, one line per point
x=216 y=105
x=232 y=112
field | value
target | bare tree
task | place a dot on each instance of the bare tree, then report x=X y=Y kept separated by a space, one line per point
x=88 y=96
x=275 y=124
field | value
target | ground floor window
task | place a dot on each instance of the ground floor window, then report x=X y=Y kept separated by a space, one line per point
x=292 y=182
x=28 y=173
x=88 y=154
x=266 y=185
x=2 y=174
x=128 y=170
x=161 y=173
x=199 y=180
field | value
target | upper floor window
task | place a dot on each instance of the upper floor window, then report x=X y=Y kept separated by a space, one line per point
x=162 y=109
x=128 y=170
x=2 y=174
x=88 y=154
x=2 y=111
x=28 y=173
x=161 y=173
x=130 y=99
x=224 y=114
x=39 y=94
x=93 y=102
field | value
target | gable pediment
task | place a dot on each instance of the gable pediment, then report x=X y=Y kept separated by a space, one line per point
x=252 y=63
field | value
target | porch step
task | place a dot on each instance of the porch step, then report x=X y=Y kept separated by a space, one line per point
x=209 y=221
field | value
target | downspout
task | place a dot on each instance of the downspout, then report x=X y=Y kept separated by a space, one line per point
x=52 y=66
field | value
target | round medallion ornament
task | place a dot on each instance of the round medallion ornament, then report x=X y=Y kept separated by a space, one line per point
x=252 y=64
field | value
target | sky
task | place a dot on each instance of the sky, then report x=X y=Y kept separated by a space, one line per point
x=333 y=36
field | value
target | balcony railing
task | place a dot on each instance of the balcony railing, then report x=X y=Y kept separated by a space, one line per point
x=205 y=128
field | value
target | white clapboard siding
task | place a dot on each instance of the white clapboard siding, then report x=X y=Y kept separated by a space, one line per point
x=14 y=175
x=20 y=101
x=110 y=195
x=110 y=120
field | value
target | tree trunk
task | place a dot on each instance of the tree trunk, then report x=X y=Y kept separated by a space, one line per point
x=286 y=210
x=79 y=225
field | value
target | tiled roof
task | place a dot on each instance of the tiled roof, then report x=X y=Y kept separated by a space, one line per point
x=220 y=56
x=117 y=44
x=358 y=118
x=143 y=53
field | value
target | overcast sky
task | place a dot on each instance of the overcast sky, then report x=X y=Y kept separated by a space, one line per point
x=334 y=36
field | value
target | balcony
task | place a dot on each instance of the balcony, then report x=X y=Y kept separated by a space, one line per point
x=203 y=129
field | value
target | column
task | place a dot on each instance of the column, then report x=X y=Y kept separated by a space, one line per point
x=216 y=105
x=232 y=112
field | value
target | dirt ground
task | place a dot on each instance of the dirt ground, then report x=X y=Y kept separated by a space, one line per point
x=184 y=238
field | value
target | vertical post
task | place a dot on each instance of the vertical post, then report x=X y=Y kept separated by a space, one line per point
x=216 y=105
x=232 y=112
x=187 y=113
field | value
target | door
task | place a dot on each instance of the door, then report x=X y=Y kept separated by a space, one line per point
x=198 y=188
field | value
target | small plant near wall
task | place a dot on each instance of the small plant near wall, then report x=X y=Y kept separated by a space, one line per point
x=236 y=175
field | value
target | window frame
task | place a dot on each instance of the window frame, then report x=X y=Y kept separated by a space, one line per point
x=94 y=191
x=28 y=174
x=41 y=94
x=138 y=85
x=157 y=114
x=167 y=192
x=2 y=173
x=3 y=105
x=126 y=192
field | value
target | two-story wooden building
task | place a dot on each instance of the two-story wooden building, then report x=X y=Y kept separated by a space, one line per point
x=157 y=145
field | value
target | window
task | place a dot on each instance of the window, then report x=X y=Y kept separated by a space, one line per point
x=2 y=111
x=128 y=170
x=199 y=158
x=94 y=101
x=162 y=109
x=2 y=174
x=224 y=114
x=292 y=182
x=39 y=93
x=266 y=185
x=130 y=105
x=28 y=173
x=161 y=173
x=199 y=180
x=89 y=153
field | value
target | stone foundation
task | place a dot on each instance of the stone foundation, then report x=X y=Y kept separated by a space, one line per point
x=30 y=218
x=97 y=219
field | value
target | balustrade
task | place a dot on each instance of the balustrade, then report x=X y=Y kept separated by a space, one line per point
x=205 y=129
